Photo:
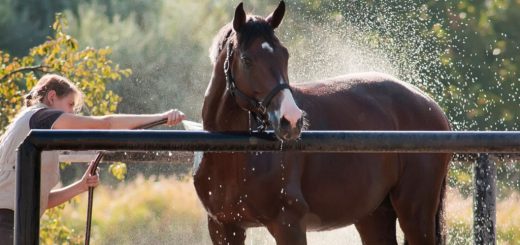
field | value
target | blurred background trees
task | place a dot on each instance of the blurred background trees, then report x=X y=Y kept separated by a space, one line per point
x=463 y=53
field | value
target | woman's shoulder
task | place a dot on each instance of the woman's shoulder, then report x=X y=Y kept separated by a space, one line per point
x=44 y=118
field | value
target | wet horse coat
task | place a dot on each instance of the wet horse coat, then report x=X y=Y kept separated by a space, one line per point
x=290 y=192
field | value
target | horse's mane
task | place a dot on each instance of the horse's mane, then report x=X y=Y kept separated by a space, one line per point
x=255 y=27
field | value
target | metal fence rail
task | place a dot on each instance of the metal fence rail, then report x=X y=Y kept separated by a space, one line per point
x=28 y=173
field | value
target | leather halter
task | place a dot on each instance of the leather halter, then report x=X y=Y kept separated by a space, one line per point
x=257 y=108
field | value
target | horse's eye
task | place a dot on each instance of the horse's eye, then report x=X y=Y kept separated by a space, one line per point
x=246 y=60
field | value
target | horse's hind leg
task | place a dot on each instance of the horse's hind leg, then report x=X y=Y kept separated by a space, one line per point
x=417 y=195
x=226 y=234
x=379 y=227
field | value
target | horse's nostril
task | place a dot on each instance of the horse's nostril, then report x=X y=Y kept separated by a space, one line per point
x=284 y=123
x=299 y=124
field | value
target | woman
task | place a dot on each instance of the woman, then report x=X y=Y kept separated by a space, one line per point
x=51 y=105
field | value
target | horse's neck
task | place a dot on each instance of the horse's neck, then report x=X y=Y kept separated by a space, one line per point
x=220 y=112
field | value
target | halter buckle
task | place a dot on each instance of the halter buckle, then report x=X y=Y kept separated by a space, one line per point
x=261 y=108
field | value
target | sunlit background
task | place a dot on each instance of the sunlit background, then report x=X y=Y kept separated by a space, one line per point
x=464 y=54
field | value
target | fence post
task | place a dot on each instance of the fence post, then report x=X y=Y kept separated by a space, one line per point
x=484 y=201
x=27 y=211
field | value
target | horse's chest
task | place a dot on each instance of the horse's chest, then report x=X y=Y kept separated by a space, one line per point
x=233 y=189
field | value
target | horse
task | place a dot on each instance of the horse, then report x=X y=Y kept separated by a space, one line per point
x=291 y=193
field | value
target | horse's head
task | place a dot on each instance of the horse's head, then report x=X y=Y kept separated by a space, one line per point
x=256 y=72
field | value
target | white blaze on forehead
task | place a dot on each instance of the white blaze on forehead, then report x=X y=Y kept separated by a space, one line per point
x=267 y=46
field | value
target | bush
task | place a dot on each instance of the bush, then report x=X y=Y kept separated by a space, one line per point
x=154 y=211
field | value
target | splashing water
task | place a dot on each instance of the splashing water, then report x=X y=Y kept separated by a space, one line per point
x=367 y=37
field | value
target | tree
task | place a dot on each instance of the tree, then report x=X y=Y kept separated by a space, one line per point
x=90 y=69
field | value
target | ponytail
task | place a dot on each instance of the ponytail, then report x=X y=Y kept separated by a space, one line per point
x=28 y=100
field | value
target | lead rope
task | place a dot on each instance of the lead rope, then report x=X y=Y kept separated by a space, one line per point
x=93 y=171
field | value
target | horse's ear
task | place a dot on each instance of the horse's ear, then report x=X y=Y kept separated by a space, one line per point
x=276 y=17
x=240 y=17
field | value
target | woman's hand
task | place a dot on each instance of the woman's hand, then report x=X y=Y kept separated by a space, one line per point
x=174 y=117
x=57 y=197
x=89 y=180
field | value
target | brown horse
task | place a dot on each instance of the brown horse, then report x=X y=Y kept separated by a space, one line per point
x=290 y=192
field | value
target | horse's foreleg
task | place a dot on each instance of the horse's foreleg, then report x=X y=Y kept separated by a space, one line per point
x=226 y=233
x=288 y=228
x=293 y=166
x=379 y=227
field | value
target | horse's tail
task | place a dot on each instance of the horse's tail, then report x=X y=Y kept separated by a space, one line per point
x=440 y=222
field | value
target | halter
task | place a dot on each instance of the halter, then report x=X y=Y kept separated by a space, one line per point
x=257 y=108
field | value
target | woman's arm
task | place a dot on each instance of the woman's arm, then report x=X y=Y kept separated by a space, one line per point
x=57 y=197
x=119 y=121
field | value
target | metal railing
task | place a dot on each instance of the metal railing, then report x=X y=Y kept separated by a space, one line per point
x=28 y=174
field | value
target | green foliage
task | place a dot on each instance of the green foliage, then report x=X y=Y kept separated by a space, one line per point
x=479 y=45
x=53 y=231
x=118 y=170
x=165 y=42
x=90 y=69
x=460 y=176
x=483 y=62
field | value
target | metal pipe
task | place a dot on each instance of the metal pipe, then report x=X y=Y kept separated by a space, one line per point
x=484 y=201
x=311 y=141
x=27 y=212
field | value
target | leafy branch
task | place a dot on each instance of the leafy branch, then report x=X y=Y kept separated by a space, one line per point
x=41 y=68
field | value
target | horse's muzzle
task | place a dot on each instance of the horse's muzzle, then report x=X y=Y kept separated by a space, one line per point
x=286 y=132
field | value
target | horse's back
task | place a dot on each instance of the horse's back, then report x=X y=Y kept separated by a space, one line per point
x=368 y=101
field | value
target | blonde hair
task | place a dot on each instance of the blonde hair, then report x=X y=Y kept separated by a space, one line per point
x=49 y=82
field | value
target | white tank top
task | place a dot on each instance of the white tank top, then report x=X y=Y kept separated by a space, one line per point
x=9 y=142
